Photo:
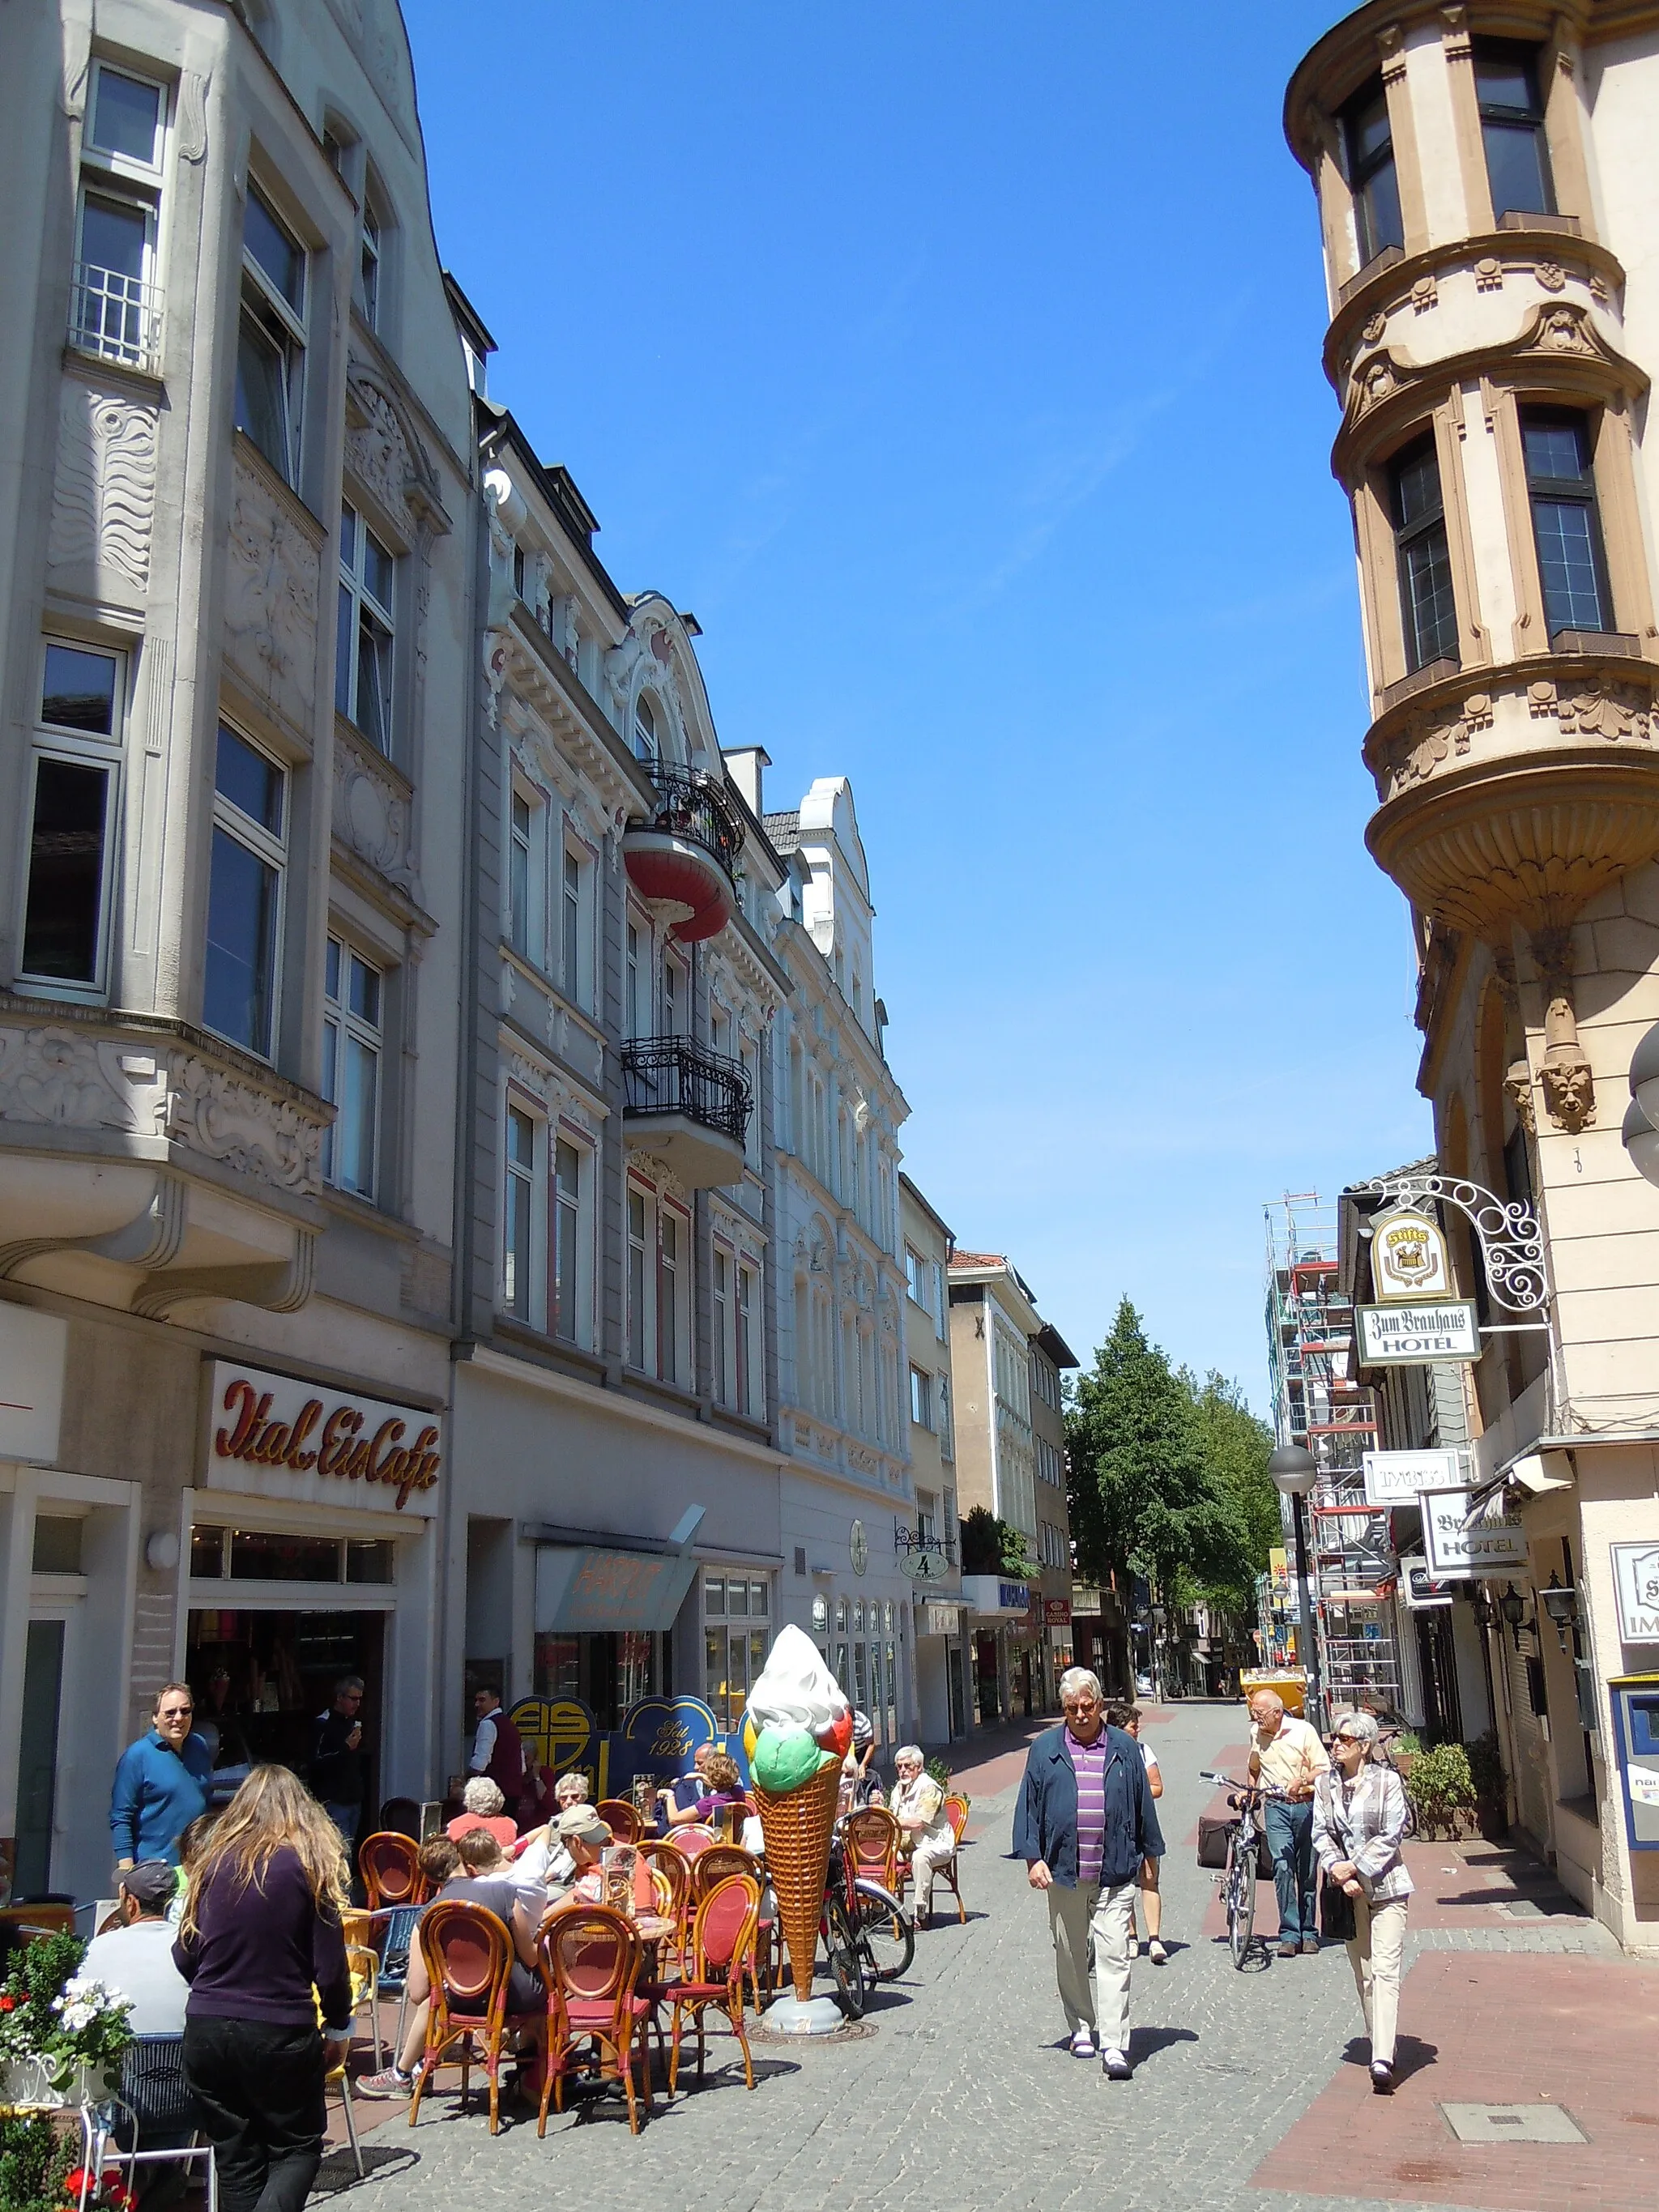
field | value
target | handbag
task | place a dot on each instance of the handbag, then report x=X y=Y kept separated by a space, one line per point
x=1336 y=1920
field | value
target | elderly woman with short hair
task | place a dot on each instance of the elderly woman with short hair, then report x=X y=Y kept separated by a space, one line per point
x=484 y=1807
x=925 y=1835
x=1359 y=1822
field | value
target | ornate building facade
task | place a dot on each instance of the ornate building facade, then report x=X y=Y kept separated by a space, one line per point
x=1486 y=177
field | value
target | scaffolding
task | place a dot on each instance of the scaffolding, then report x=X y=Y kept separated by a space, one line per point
x=1319 y=1404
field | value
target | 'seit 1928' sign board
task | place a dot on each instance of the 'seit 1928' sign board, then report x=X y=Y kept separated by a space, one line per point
x=275 y=1438
x=1408 y=1335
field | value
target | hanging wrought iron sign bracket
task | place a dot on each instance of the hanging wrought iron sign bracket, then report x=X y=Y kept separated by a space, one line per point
x=1511 y=1243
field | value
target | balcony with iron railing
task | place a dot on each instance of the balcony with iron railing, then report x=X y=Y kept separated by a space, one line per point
x=684 y=851
x=116 y=318
x=689 y=1105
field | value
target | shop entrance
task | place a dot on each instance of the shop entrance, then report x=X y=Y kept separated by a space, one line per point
x=985 y=1675
x=609 y=1670
x=37 y=1766
x=263 y=1679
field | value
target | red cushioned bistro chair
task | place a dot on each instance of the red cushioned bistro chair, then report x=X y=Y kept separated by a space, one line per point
x=955 y=1811
x=390 y=1866
x=722 y=1959
x=591 y=1959
x=871 y=1841
x=622 y=1819
x=469 y=1960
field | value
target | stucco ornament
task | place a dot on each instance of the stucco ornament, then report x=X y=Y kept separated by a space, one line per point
x=1518 y=1084
x=270 y=599
x=371 y=815
x=1552 y=275
x=268 y=1138
x=1622 y=712
x=60 y=1076
x=1568 y=1091
x=104 y=496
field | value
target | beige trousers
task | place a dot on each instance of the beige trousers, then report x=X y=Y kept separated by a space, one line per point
x=1093 y=1930
x=925 y=1862
x=1374 y=1950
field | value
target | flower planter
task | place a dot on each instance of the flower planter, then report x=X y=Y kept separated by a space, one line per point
x=33 y=2081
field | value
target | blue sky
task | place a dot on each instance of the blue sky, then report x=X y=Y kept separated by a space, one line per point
x=958 y=367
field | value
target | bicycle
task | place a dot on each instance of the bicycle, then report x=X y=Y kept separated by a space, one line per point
x=868 y=1936
x=1238 y=1879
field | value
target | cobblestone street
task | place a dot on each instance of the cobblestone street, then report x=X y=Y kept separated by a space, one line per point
x=1245 y=2092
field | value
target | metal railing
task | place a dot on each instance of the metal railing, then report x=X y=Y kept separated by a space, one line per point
x=676 y=1075
x=694 y=805
x=116 y=317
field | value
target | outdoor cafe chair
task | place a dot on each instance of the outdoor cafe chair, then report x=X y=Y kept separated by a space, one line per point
x=871 y=1838
x=722 y=1959
x=403 y=1816
x=591 y=1957
x=669 y=1865
x=715 y=1864
x=955 y=1811
x=622 y=1819
x=469 y=1960
x=153 y=2099
x=390 y=1864
x=692 y=1839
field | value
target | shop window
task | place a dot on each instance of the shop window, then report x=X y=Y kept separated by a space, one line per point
x=271 y=340
x=352 y=991
x=362 y=659
x=1368 y=141
x=1512 y=128
x=1566 y=524
x=737 y=1631
x=72 y=816
x=245 y=888
x=218 y=1553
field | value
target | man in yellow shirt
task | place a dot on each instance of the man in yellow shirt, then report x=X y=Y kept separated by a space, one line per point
x=1287 y=1753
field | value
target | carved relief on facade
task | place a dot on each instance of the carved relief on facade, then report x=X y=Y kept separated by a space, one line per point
x=1619 y=711
x=103 y=506
x=371 y=810
x=1424 y=746
x=271 y=591
x=1517 y=1085
x=269 y=1139
x=66 y=1079
x=387 y=458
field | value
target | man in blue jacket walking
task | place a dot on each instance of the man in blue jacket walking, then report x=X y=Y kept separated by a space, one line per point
x=1083 y=1824
x=161 y=1782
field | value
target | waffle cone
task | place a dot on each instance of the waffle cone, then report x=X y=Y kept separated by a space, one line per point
x=796 y=1827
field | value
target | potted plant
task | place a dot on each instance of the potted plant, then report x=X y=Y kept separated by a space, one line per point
x=1491 y=1811
x=61 y=2034
x=1441 y=1789
x=940 y=1770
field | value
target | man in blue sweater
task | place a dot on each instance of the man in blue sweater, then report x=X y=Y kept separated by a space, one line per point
x=1083 y=1826
x=161 y=1782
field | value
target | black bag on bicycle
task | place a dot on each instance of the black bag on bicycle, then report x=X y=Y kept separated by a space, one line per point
x=1336 y=1921
x=1212 y=1834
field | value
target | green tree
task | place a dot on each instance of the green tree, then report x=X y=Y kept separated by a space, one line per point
x=1237 y=1446
x=1143 y=1497
x=991 y=1547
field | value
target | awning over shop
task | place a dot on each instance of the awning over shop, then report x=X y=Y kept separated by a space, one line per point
x=1532 y=1475
x=580 y=1589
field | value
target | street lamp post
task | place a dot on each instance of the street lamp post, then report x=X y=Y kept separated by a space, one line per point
x=1295 y=1471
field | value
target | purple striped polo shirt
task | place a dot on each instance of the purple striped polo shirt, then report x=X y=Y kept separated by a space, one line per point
x=1089 y=1760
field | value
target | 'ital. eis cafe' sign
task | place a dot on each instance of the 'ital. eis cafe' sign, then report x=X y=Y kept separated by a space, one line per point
x=270 y=1421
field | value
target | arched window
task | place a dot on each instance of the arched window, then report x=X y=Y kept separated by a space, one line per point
x=645 y=730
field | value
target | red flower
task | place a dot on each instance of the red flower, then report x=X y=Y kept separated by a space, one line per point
x=76 y=2182
x=8 y=2004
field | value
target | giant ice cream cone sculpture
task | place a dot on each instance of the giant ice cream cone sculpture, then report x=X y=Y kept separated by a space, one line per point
x=803 y=1726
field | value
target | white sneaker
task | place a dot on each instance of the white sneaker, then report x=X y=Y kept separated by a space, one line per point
x=1116 y=2065
x=1157 y=1953
x=1083 y=2044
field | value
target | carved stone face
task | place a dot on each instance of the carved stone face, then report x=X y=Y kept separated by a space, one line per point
x=1568 y=1092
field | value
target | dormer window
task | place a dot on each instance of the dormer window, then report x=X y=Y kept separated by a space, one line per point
x=1368 y=142
x=645 y=731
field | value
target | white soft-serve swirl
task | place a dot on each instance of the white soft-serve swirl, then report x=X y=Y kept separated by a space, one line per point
x=795 y=1689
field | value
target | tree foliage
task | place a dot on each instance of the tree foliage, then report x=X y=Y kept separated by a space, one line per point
x=1166 y=1477
x=991 y=1547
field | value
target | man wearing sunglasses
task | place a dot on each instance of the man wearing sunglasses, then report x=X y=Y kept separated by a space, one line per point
x=161 y=1782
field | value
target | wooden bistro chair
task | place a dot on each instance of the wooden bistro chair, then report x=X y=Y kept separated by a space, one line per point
x=669 y=1865
x=693 y=1839
x=722 y=1960
x=955 y=1811
x=390 y=1866
x=621 y=1818
x=469 y=1958
x=591 y=1957
x=870 y=1840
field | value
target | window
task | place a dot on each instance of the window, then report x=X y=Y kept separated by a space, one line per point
x=915 y=1280
x=921 y=1398
x=245 y=885
x=1427 y=611
x=670 y=1308
x=576 y=923
x=645 y=730
x=77 y=762
x=523 y=929
x=351 y=1066
x=941 y=1310
x=567 y=1240
x=363 y=665
x=115 y=306
x=1369 y=144
x=519 y=1215
x=676 y=998
x=737 y=1629
x=751 y=1393
x=946 y=1435
x=639 y=1278
x=270 y=342
x=368 y=264
x=1562 y=485
x=1512 y=128
x=722 y=1350
x=635 y=1024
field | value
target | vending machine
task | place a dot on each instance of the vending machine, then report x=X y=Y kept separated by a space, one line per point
x=1635 y=1732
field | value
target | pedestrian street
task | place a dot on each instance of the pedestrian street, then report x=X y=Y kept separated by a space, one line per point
x=965 y=2096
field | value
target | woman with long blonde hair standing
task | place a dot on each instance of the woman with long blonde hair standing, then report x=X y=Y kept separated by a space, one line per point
x=261 y=1928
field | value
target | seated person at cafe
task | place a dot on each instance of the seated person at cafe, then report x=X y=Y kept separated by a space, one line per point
x=136 y=1958
x=585 y=1837
x=722 y=1788
x=541 y=1859
x=481 y=1880
x=687 y=1788
x=484 y=1807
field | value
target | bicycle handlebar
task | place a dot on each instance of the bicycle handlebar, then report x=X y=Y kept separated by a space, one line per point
x=1251 y=1789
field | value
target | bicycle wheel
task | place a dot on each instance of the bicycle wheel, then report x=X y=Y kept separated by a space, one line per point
x=1241 y=1901
x=847 y=1969
x=885 y=1930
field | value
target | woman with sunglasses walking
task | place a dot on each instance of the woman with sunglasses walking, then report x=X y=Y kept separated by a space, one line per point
x=1359 y=1827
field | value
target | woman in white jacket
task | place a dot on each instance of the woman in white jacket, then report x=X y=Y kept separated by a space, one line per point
x=1358 y=1826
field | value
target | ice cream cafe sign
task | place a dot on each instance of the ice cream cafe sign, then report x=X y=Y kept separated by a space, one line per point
x=275 y=1438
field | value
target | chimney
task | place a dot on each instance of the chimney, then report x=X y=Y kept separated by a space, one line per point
x=745 y=766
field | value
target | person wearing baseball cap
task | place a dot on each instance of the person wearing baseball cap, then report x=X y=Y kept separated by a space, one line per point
x=136 y=1957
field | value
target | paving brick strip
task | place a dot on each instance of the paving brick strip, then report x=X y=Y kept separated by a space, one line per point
x=1249 y=2090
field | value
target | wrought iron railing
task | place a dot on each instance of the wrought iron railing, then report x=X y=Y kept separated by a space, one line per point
x=676 y=1075
x=694 y=806
x=116 y=317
